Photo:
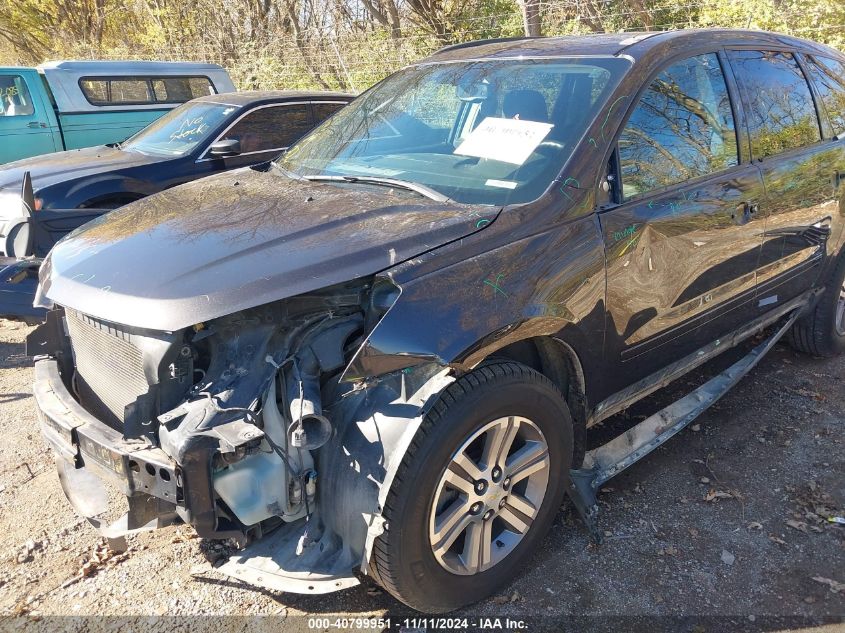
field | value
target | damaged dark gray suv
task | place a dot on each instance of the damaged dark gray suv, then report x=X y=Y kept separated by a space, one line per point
x=382 y=353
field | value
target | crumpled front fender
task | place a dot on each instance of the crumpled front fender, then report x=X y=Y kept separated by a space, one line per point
x=374 y=425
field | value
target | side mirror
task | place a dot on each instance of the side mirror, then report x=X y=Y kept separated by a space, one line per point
x=27 y=195
x=224 y=149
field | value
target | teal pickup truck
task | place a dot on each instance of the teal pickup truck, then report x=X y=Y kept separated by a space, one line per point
x=71 y=104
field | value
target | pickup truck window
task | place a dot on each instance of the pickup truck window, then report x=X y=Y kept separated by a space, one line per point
x=829 y=78
x=181 y=89
x=485 y=132
x=781 y=112
x=104 y=91
x=15 y=99
x=682 y=128
x=179 y=131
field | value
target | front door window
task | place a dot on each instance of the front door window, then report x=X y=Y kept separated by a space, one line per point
x=271 y=128
x=15 y=99
x=683 y=128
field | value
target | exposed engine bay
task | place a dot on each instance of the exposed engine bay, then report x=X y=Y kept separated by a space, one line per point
x=243 y=427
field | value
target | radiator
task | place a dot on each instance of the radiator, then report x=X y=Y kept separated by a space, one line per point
x=110 y=369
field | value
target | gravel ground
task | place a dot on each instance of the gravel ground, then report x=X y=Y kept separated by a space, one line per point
x=723 y=529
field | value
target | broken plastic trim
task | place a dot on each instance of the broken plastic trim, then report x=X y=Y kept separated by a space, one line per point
x=608 y=460
x=88 y=496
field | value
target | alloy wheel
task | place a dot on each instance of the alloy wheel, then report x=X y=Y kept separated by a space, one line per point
x=489 y=495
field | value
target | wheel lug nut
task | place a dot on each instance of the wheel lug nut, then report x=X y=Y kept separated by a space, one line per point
x=506 y=483
x=503 y=502
x=488 y=515
x=497 y=472
x=475 y=508
x=480 y=486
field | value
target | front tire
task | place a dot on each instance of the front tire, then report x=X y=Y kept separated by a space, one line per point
x=477 y=490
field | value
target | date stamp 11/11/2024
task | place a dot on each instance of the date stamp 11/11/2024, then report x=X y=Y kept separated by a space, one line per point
x=421 y=623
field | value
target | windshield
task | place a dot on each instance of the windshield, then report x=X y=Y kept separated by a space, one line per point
x=179 y=131
x=485 y=132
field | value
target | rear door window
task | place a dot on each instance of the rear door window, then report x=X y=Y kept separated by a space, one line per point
x=15 y=99
x=682 y=128
x=271 y=128
x=781 y=112
x=829 y=78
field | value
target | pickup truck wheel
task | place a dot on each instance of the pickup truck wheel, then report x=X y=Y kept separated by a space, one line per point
x=477 y=490
x=822 y=332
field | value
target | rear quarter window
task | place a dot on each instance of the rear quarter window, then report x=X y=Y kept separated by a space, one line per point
x=828 y=75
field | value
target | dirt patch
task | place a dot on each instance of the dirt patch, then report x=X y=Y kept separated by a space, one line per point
x=729 y=520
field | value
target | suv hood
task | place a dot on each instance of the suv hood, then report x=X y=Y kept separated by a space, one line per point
x=51 y=169
x=239 y=240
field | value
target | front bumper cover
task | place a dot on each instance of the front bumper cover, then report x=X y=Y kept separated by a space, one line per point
x=90 y=453
x=373 y=422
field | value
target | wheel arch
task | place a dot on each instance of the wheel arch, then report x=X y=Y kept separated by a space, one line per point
x=111 y=200
x=558 y=361
x=89 y=191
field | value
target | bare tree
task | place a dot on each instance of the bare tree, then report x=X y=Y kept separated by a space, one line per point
x=386 y=13
x=432 y=15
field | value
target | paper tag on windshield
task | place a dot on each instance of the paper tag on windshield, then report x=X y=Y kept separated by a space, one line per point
x=507 y=140
x=502 y=184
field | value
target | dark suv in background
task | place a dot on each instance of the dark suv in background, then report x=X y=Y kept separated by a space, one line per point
x=383 y=353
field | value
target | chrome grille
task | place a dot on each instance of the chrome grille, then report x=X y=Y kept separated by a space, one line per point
x=110 y=369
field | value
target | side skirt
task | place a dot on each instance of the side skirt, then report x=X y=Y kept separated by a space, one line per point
x=610 y=459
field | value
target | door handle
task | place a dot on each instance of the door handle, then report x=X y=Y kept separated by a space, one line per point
x=36 y=124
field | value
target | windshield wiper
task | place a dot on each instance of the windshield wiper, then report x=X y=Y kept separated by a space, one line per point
x=428 y=192
x=286 y=172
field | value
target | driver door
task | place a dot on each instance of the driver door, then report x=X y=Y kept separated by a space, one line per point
x=25 y=122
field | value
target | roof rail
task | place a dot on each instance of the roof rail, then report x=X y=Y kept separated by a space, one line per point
x=495 y=40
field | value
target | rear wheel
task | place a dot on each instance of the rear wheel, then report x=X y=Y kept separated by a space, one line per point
x=822 y=332
x=477 y=490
